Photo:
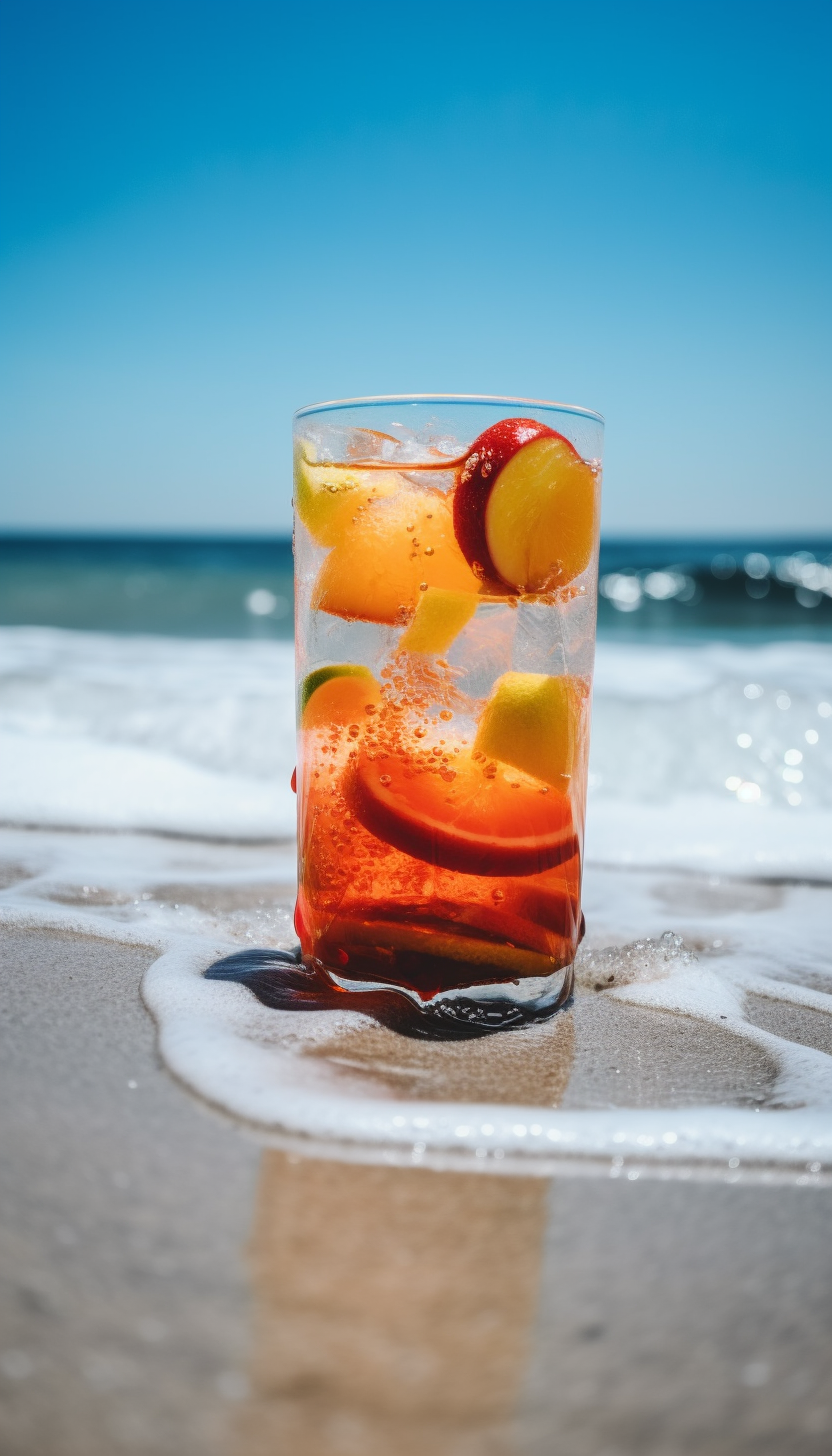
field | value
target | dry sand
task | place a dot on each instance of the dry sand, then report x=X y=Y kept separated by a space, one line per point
x=170 y=1286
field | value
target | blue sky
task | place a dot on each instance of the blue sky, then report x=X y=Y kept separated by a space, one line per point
x=213 y=213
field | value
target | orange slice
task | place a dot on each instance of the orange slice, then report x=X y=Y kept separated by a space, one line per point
x=337 y=695
x=476 y=818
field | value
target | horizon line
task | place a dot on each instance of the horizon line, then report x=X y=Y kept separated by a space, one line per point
x=284 y=537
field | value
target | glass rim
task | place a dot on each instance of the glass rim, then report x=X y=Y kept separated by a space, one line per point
x=495 y=399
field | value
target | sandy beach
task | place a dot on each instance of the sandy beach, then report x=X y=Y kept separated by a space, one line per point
x=175 y=1280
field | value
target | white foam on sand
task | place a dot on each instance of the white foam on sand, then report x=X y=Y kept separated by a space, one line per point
x=270 y=1068
x=249 y=1060
x=101 y=733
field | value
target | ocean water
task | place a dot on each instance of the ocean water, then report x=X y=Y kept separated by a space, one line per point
x=145 y=757
x=211 y=588
x=177 y=588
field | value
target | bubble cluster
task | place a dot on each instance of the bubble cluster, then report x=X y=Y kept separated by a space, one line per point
x=644 y=960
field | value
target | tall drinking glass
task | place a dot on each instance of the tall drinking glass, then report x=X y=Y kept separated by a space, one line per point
x=446 y=555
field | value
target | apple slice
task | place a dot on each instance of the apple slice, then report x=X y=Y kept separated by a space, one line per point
x=532 y=722
x=464 y=816
x=327 y=497
x=386 y=559
x=337 y=695
x=439 y=618
x=525 y=507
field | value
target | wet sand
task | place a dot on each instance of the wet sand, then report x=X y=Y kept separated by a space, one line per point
x=125 y=1209
x=172 y=1285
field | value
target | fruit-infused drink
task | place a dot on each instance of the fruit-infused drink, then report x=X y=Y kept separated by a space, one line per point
x=446 y=562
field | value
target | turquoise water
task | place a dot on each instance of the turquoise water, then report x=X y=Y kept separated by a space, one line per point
x=169 y=587
x=223 y=588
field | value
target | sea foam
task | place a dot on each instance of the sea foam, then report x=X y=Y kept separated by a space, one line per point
x=103 y=731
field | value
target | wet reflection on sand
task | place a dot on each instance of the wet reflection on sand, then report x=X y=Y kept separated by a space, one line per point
x=533 y=1065
x=393 y=1309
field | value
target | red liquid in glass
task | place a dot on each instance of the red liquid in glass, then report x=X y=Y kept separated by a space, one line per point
x=426 y=865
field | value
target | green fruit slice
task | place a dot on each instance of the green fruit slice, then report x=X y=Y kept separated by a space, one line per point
x=328 y=497
x=351 y=686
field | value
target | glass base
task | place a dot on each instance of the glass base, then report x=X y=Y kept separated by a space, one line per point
x=282 y=980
